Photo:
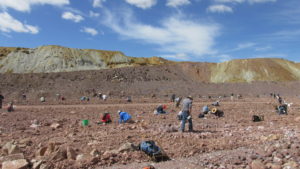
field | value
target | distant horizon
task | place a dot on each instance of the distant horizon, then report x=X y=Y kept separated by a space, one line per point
x=148 y=56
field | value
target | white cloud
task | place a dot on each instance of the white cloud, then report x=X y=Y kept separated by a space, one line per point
x=173 y=35
x=219 y=9
x=177 y=57
x=271 y=55
x=264 y=48
x=241 y=1
x=10 y=24
x=176 y=3
x=25 y=5
x=90 y=31
x=224 y=58
x=260 y=1
x=285 y=35
x=72 y=17
x=98 y=3
x=245 y=45
x=94 y=14
x=229 y=1
x=144 y=4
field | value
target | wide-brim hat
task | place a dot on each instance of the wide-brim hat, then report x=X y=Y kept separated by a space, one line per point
x=190 y=97
x=214 y=110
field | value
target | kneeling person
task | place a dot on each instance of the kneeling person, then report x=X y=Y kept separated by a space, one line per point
x=124 y=117
x=10 y=107
x=105 y=119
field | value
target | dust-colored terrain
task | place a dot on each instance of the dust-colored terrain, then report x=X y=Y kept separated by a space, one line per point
x=50 y=134
x=233 y=141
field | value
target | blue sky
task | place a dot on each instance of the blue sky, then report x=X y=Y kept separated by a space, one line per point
x=190 y=30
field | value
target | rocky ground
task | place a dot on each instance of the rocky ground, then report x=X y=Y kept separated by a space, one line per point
x=45 y=136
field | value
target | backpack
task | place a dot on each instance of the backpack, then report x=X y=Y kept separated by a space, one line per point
x=256 y=118
x=150 y=148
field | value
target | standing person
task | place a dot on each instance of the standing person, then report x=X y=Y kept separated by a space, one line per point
x=186 y=113
x=279 y=100
x=231 y=97
x=172 y=99
x=1 y=99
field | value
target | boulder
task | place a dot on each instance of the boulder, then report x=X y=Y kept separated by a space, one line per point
x=12 y=157
x=15 y=164
x=257 y=164
x=55 y=125
x=10 y=148
x=127 y=147
x=84 y=158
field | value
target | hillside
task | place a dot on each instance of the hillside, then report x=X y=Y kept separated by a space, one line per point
x=261 y=69
x=48 y=59
x=52 y=58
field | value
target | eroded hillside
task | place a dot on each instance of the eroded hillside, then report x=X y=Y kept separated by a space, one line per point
x=261 y=69
x=47 y=59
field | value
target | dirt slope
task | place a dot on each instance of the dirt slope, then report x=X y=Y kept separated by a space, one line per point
x=249 y=70
x=52 y=58
x=47 y=59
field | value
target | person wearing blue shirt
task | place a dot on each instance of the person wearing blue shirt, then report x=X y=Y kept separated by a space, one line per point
x=124 y=117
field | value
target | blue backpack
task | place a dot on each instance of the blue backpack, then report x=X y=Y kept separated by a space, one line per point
x=150 y=148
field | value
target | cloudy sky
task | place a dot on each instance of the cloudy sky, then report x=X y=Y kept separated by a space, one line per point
x=191 y=30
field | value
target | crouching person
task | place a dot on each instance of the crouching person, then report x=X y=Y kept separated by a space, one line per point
x=218 y=113
x=125 y=117
x=205 y=110
x=282 y=109
x=160 y=109
x=105 y=118
x=10 y=107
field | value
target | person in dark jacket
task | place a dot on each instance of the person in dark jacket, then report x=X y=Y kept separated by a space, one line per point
x=10 y=107
x=1 y=100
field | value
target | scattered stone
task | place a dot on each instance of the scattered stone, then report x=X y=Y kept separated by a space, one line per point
x=71 y=154
x=273 y=166
x=72 y=112
x=10 y=148
x=297 y=119
x=55 y=125
x=46 y=166
x=41 y=151
x=257 y=164
x=15 y=164
x=277 y=160
x=94 y=142
x=127 y=147
x=59 y=155
x=95 y=153
x=51 y=148
x=37 y=164
x=290 y=165
x=271 y=137
x=84 y=158
x=12 y=157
